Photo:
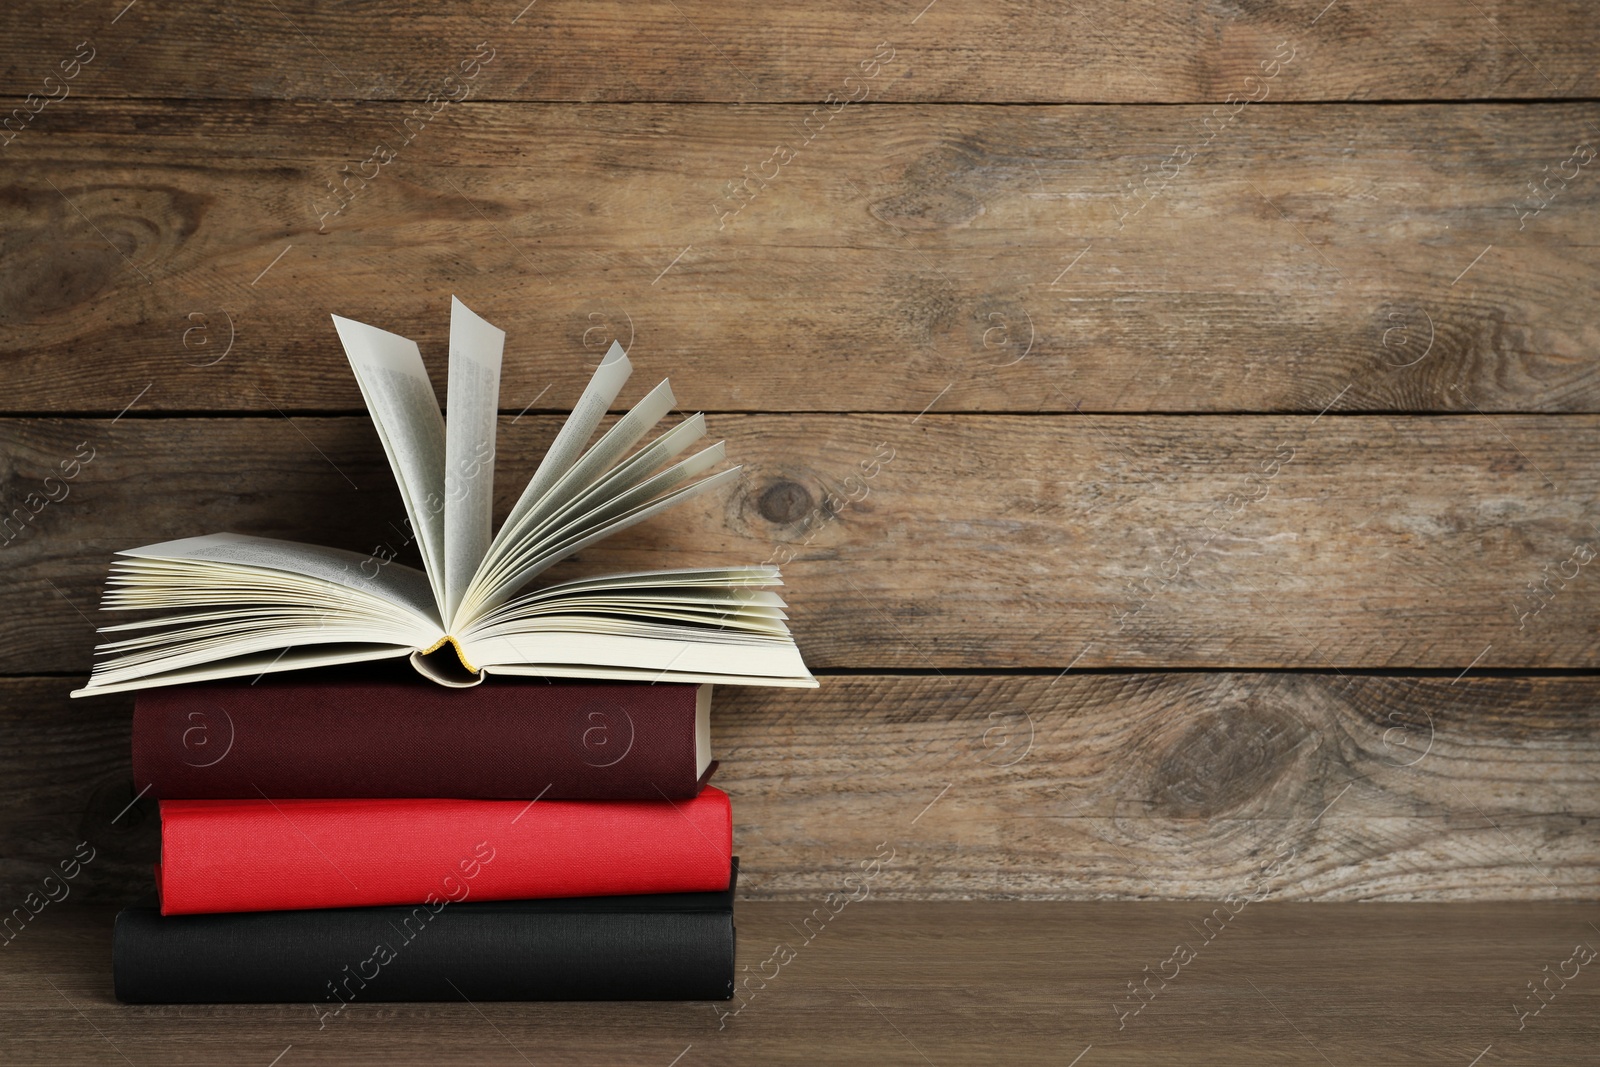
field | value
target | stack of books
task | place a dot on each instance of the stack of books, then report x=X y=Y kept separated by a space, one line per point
x=361 y=837
x=334 y=842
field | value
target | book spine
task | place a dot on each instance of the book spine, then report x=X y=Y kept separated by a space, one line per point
x=268 y=855
x=504 y=741
x=329 y=960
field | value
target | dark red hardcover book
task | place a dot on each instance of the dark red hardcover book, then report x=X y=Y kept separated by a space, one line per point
x=286 y=855
x=380 y=738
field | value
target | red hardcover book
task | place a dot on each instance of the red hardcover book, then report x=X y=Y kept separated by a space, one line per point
x=504 y=739
x=284 y=855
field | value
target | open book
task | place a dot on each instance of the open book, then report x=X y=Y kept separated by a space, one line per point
x=249 y=605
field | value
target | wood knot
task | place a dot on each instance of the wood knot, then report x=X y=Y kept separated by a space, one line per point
x=63 y=255
x=1223 y=762
x=930 y=209
x=43 y=276
x=785 y=502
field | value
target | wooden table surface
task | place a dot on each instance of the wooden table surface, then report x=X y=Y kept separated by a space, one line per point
x=1180 y=422
x=1006 y=982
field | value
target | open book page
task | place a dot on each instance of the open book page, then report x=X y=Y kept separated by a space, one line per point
x=400 y=398
x=520 y=538
x=249 y=667
x=713 y=624
x=199 y=642
x=600 y=510
x=740 y=579
x=659 y=657
x=586 y=530
x=723 y=599
x=251 y=596
x=630 y=473
x=604 y=385
x=404 y=587
x=628 y=509
x=473 y=398
x=587 y=469
x=673 y=673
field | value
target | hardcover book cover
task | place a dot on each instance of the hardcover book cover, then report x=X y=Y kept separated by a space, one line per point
x=271 y=855
x=507 y=739
x=672 y=946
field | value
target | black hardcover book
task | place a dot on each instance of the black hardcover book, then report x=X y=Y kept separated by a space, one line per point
x=668 y=946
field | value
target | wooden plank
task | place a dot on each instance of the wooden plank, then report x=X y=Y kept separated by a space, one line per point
x=976 y=258
x=966 y=50
x=1307 y=787
x=941 y=541
x=1178 y=786
x=1018 y=982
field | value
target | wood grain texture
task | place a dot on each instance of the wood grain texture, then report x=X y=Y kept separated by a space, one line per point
x=939 y=983
x=975 y=258
x=942 y=541
x=574 y=50
x=67 y=784
x=1339 y=364
x=1289 y=786
x=1304 y=787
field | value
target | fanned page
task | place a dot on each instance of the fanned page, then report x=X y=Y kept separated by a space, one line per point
x=474 y=399
x=405 y=411
x=593 y=497
x=604 y=385
x=253 y=605
x=697 y=625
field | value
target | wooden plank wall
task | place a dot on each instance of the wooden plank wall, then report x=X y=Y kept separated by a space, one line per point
x=1184 y=419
